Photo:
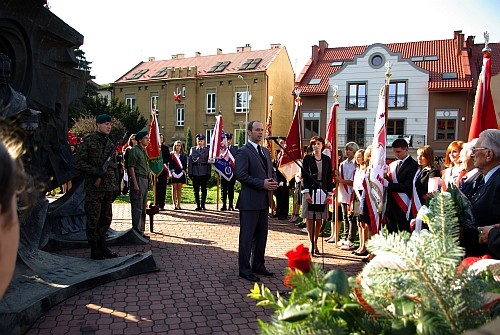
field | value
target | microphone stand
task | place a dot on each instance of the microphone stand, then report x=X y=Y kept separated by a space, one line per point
x=314 y=207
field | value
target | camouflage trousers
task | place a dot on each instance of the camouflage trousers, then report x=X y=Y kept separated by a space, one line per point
x=99 y=210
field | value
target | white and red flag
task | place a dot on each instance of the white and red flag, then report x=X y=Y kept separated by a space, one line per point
x=287 y=164
x=219 y=154
x=484 y=116
x=374 y=181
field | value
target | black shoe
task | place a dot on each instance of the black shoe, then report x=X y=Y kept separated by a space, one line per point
x=95 y=252
x=301 y=225
x=223 y=208
x=231 y=208
x=198 y=209
x=364 y=253
x=106 y=252
x=264 y=273
x=250 y=277
x=203 y=208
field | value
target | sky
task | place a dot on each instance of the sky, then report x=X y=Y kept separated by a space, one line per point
x=119 y=34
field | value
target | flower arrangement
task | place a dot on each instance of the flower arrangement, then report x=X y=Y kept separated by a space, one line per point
x=415 y=284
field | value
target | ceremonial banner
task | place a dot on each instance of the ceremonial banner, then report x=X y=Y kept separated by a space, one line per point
x=286 y=165
x=219 y=154
x=269 y=132
x=484 y=116
x=331 y=136
x=153 y=149
x=375 y=178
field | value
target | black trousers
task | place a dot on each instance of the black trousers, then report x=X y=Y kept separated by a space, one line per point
x=161 y=189
x=227 y=190
x=282 y=202
x=200 y=184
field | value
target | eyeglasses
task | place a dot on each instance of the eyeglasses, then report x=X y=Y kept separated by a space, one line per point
x=474 y=149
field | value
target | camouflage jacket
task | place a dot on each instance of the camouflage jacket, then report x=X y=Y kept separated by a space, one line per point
x=90 y=156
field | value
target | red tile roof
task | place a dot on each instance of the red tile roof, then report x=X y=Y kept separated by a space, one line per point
x=204 y=64
x=445 y=50
x=477 y=57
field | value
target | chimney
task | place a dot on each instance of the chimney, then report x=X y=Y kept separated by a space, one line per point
x=151 y=59
x=219 y=51
x=239 y=49
x=323 y=45
x=275 y=45
x=247 y=47
x=459 y=41
x=178 y=56
x=197 y=54
x=315 y=54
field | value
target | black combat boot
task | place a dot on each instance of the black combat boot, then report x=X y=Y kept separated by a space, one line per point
x=95 y=251
x=105 y=251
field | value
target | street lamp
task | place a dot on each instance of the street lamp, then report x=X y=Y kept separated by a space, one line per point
x=248 y=106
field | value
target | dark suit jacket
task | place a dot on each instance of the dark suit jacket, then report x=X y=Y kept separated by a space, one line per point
x=405 y=177
x=470 y=185
x=422 y=182
x=494 y=242
x=485 y=204
x=310 y=173
x=250 y=171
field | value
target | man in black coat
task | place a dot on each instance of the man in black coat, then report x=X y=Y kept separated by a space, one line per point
x=486 y=201
x=400 y=187
x=254 y=170
x=161 y=184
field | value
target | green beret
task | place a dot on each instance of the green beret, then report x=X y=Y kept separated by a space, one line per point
x=141 y=134
x=103 y=118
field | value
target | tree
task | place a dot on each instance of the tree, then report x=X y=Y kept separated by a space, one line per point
x=86 y=125
x=189 y=140
x=241 y=139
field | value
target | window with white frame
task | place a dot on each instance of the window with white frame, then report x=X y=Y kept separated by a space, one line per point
x=241 y=100
x=311 y=123
x=356 y=98
x=211 y=102
x=236 y=136
x=180 y=115
x=154 y=102
x=183 y=91
x=397 y=95
x=130 y=101
x=208 y=135
x=446 y=124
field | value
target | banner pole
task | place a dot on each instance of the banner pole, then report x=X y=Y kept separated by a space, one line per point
x=218 y=183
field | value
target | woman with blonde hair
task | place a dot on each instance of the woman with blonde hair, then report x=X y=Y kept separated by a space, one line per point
x=178 y=168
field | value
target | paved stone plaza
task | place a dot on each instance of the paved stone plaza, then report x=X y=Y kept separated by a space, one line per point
x=197 y=289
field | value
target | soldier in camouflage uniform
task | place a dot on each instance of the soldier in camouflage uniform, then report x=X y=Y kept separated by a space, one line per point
x=100 y=186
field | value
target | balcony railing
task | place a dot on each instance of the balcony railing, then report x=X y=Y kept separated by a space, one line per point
x=398 y=101
x=415 y=141
x=356 y=102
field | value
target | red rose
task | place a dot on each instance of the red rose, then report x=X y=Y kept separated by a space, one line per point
x=299 y=258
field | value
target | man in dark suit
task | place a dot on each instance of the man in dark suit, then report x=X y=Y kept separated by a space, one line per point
x=254 y=170
x=486 y=201
x=400 y=187
x=199 y=170
x=228 y=185
x=161 y=183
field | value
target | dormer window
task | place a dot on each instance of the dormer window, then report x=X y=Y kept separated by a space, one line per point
x=314 y=81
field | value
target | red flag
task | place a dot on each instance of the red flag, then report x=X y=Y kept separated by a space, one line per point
x=153 y=149
x=331 y=135
x=484 y=116
x=287 y=166
x=269 y=124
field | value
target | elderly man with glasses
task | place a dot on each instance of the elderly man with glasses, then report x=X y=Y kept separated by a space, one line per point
x=486 y=201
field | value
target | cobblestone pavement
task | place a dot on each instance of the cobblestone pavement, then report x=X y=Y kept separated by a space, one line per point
x=197 y=289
